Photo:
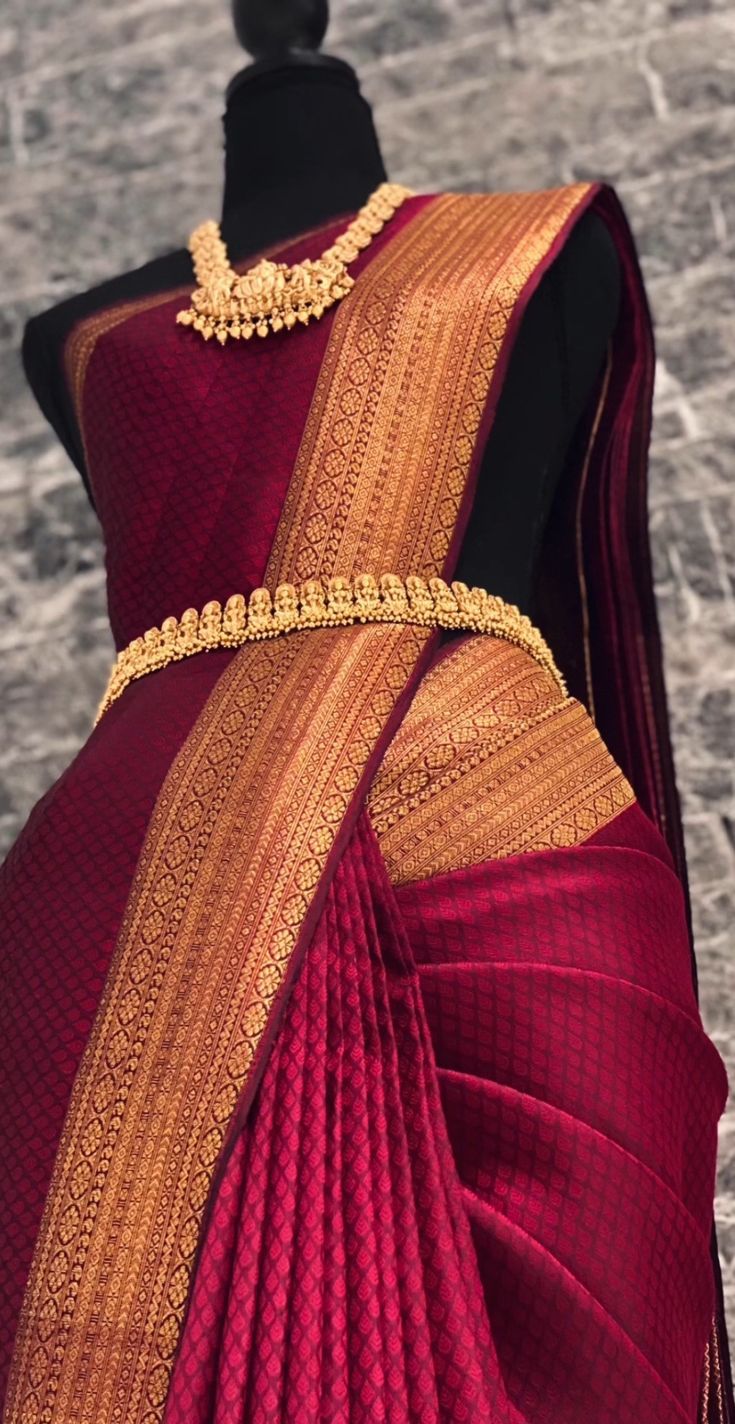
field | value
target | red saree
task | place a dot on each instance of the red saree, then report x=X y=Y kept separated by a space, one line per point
x=352 y=1062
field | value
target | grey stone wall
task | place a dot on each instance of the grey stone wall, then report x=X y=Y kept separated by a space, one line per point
x=109 y=153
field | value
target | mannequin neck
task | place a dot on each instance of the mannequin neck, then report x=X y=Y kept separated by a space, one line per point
x=300 y=149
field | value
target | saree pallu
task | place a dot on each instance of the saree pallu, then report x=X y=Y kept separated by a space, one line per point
x=356 y=1070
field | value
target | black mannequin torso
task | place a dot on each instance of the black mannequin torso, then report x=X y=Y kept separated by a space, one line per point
x=316 y=138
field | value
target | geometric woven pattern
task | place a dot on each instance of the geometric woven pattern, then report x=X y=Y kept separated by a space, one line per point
x=476 y=1180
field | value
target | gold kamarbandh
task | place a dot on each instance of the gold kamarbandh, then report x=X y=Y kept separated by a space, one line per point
x=321 y=603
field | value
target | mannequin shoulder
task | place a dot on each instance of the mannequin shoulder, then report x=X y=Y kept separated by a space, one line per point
x=591 y=247
x=586 y=289
x=45 y=335
x=47 y=330
x=587 y=275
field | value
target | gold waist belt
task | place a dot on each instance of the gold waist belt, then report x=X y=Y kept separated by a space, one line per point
x=323 y=603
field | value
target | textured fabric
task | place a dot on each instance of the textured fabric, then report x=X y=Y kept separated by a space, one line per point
x=191 y=449
x=512 y=1052
x=338 y=1278
x=63 y=889
x=190 y=470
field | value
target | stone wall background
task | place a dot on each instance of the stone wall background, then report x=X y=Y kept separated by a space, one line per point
x=110 y=153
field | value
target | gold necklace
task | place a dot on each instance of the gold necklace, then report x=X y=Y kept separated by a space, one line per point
x=272 y=296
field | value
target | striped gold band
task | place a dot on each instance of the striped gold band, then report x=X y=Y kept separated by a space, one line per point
x=326 y=602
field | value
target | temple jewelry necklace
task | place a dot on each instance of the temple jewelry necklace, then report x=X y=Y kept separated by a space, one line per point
x=272 y=296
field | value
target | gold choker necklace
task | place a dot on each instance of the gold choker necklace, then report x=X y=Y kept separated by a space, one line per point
x=271 y=296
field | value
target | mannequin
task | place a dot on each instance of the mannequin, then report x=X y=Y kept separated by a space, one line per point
x=317 y=157
x=353 y=953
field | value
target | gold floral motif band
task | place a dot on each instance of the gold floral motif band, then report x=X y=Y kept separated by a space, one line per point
x=491 y=759
x=275 y=765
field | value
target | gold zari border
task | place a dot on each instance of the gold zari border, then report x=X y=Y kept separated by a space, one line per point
x=319 y=603
x=712 y=1366
x=489 y=761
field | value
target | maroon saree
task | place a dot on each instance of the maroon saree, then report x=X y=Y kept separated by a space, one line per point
x=352 y=1061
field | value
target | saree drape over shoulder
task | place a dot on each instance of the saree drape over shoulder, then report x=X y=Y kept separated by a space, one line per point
x=352 y=1061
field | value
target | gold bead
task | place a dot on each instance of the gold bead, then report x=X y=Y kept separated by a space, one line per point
x=234 y=618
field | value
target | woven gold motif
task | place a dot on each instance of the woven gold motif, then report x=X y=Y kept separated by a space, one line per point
x=490 y=760
x=712 y=1368
x=236 y=848
x=325 y=603
x=271 y=296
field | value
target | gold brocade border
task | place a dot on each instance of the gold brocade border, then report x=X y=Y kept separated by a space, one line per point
x=719 y=1383
x=490 y=760
x=242 y=827
x=236 y=847
x=706 y=1375
x=393 y=424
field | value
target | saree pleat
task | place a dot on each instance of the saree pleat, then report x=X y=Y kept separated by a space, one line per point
x=562 y=1353
x=467 y=1133
x=355 y=1292
x=581 y=1095
x=557 y=1200
x=620 y=1043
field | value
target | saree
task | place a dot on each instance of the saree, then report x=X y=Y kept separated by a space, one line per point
x=352 y=1060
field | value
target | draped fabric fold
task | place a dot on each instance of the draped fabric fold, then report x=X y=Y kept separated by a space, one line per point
x=387 y=1095
x=344 y=1275
x=461 y=1190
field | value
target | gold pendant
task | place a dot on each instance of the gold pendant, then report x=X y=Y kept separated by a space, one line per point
x=268 y=297
x=271 y=296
